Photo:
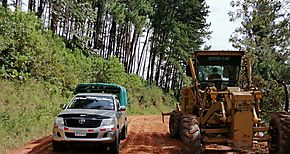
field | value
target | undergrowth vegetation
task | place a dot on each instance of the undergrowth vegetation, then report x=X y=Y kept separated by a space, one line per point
x=39 y=72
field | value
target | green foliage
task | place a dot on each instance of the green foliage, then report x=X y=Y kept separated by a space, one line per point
x=265 y=37
x=26 y=112
x=38 y=72
x=110 y=71
x=180 y=28
x=17 y=32
x=149 y=100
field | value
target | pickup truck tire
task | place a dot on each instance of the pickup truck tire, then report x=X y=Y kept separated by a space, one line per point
x=174 y=124
x=114 y=147
x=57 y=146
x=279 y=128
x=124 y=132
x=190 y=132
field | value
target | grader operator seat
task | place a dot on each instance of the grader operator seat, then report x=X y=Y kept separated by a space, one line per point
x=217 y=68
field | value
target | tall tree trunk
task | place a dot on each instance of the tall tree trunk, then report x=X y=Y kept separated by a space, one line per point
x=98 y=26
x=149 y=66
x=130 y=56
x=103 y=46
x=286 y=98
x=152 y=66
x=142 y=53
x=127 y=46
x=53 y=22
x=121 y=48
x=164 y=74
x=5 y=4
x=112 y=38
x=30 y=5
x=90 y=34
x=118 y=43
x=69 y=34
x=40 y=8
x=121 y=44
x=64 y=30
x=158 y=69
x=174 y=79
x=145 y=60
x=168 y=79
x=132 y=63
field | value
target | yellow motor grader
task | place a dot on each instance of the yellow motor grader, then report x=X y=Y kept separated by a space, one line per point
x=221 y=110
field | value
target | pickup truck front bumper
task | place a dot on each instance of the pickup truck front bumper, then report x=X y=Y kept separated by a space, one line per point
x=105 y=134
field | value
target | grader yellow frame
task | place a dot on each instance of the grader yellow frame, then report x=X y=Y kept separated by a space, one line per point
x=224 y=112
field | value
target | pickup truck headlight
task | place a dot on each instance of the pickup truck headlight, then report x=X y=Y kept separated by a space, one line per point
x=59 y=121
x=108 y=122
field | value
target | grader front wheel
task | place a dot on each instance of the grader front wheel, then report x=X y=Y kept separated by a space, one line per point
x=190 y=132
x=174 y=124
x=279 y=129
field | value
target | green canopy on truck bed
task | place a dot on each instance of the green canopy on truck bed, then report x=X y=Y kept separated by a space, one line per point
x=118 y=90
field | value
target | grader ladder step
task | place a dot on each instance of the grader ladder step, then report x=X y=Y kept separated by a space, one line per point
x=264 y=138
x=260 y=129
x=217 y=130
x=216 y=140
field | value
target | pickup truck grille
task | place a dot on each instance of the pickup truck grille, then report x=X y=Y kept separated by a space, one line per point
x=88 y=135
x=82 y=123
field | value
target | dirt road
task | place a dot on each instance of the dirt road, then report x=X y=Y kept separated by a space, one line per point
x=147 y=135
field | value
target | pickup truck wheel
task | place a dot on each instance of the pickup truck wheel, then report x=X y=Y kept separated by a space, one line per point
x=114 y=147
x=57 y=146
x=124 y=133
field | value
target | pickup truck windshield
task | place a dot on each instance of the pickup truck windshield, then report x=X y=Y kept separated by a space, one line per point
x=92 y=102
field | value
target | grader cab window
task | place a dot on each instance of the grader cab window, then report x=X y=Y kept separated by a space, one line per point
x=223 y=70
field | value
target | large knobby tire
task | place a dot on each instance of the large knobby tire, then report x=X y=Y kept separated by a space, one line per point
x=190 y=132
x=58 y=146
x=114 y=147
x=279 y=129
x=174 y=124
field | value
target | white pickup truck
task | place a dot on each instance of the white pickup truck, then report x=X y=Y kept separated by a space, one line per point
x=91 y=117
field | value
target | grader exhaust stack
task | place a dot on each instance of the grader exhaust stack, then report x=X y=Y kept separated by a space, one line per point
x=218 y=108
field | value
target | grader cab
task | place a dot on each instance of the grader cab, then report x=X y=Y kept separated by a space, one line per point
x=221 y=107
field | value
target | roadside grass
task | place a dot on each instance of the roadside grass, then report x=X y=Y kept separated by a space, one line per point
x=26 y=112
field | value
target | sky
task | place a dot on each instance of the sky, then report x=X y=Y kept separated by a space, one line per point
x=221 y=27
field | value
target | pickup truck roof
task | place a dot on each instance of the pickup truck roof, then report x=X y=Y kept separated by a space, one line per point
x=118 y=90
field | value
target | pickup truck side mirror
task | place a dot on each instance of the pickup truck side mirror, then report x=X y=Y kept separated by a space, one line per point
x=122 y=108
x=62 y=106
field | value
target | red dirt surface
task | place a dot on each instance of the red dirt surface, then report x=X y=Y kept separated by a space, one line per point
x=147 y=135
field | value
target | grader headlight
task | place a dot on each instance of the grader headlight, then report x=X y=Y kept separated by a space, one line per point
x=258 y=95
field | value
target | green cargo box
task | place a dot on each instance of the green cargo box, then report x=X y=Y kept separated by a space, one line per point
x=118 y=90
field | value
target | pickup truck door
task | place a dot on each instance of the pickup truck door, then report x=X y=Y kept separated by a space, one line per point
x=120 y=116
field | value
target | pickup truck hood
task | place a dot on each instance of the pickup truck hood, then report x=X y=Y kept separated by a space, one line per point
x=103 y=113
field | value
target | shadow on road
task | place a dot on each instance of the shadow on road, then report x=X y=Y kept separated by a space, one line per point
x=80 y=150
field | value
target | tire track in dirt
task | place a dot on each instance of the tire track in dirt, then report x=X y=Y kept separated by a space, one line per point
x=149 y=135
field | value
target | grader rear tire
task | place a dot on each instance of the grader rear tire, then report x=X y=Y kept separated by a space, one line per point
x=279 y=129
x=174 y=124
x=190 y=133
